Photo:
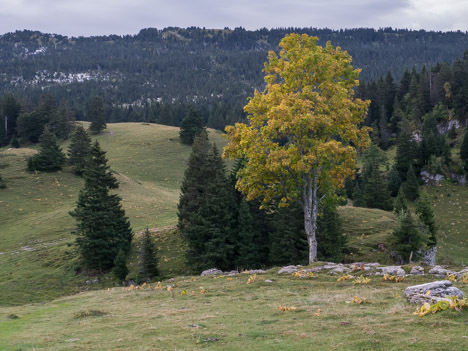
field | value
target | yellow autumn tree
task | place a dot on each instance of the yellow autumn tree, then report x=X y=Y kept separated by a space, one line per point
x=303 y=131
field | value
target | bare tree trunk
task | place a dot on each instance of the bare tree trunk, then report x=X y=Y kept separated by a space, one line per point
x=310 y=205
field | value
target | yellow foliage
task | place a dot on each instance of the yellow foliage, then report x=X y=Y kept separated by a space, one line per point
x=203 y=291
x=252 y=279
x=302 y=274
x=362 y=280
x=344 y=277
x=455 y=303
x=309 y=101
x=286 y=308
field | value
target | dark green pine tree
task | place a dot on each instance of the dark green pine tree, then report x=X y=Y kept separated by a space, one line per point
x=102 y=228
x=196 y=180
x=120 y=269
x=246 y=251
x=79 y=149
x=426 y=215
x=406 y=150
x=209 y=229
x=288 y=241
x=192 y=125
x=394 y=181
x=62 y=121
x=11 y=109
x=399 y=204
x=330 y=236
x=408 y=238
x=464 y=150
x=358 y=197
x=411 y=186
x=376 y=194
x=148 y=265
x=95 y=111
x=50 y=157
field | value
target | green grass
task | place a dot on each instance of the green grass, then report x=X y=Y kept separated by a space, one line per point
x=450 y=204
x=365 y=229
x=235 y=316
x=36 y=262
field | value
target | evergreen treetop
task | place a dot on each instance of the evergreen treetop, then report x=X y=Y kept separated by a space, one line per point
x=102 y=227
x=50 y=157
x=192 y=125
x=79 y=149
x=95 y=110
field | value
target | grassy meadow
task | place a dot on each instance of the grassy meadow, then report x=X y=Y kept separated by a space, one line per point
x=223 y=313
x=46 y=305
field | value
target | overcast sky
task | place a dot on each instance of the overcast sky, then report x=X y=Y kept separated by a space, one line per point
x=97 y=17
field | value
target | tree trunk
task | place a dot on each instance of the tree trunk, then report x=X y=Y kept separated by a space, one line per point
x=310 y=206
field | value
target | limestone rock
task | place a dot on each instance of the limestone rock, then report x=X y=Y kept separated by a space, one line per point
x=438 y=290
x=257 y=271
x=417 y=270
x=393 y=270
x=440 y=271
x=288 y=270
x=232 y=273
x=212 y=271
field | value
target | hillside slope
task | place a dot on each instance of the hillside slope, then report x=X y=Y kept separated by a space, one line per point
x=37 y=263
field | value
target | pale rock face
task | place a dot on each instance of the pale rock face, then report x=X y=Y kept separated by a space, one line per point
x=393 y=270
x=417 y=270
x=439 y=271
x=288 y=270
x=212 y=271
x=432 y=292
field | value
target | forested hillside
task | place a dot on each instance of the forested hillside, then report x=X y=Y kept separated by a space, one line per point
x=153 y=75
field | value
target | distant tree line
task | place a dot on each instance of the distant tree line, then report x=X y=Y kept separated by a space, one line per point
x=154 y=75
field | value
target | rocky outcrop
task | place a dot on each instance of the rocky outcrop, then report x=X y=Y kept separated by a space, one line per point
x=417 y=270
x=440 y=271
x=432 y=292
x=212 y=271
x=288 y=270
x=431 y=179
x=392 y=270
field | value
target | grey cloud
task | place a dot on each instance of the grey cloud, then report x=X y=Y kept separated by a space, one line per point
x=95 y=17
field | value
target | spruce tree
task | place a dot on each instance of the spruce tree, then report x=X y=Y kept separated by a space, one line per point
x=399 y=204
x=210 y=231
x=358 y=198
x=408 y=238
x=426 y=215
x=376 y=194
x=192 y=125
x=406 y=150
x=95 y=110
x=102 y=228
x=79 y=149
x=148 y=267
x=120 y=269
x=61 y=121
x=330 y=236
x=247 y=255
x=196 y=180
x=394 y=181
x=50 y=157
x=288 y=241
x=411 y=186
